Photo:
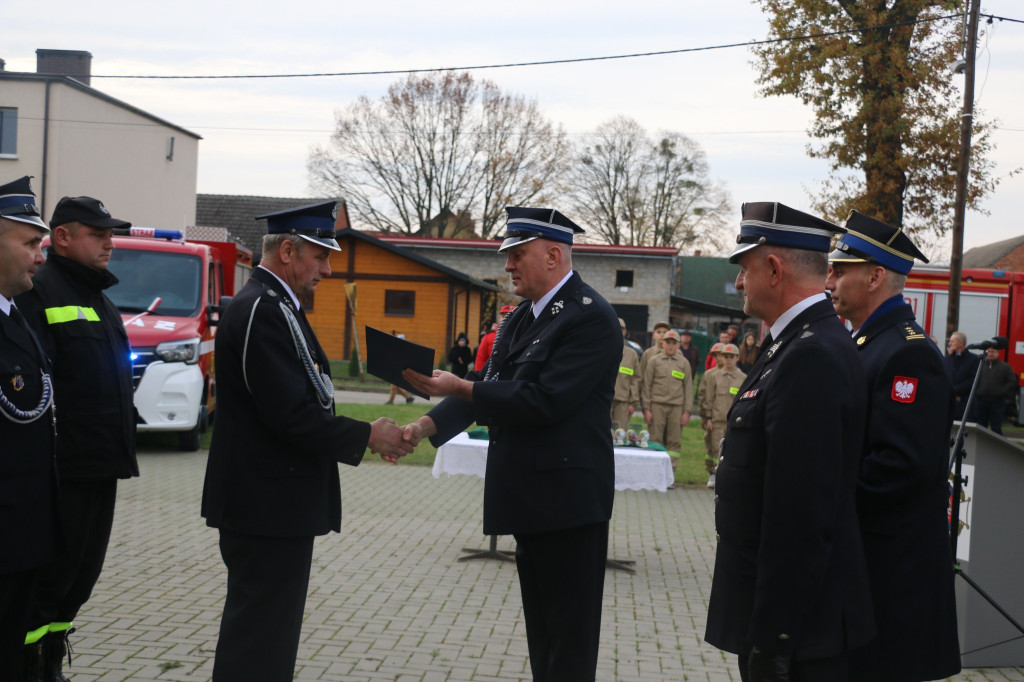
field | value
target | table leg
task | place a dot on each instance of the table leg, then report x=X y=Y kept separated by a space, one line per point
x=492 y=552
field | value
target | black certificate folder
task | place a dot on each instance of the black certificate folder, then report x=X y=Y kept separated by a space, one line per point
x=387 y=356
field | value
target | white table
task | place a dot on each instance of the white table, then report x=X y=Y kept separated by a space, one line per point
x=635 y=469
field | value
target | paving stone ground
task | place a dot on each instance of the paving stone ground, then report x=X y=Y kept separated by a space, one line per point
x=387 y=600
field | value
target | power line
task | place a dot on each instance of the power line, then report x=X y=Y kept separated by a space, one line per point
x=577 y=60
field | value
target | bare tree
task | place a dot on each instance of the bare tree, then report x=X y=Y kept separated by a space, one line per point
x=636 y=191
x=435 y=142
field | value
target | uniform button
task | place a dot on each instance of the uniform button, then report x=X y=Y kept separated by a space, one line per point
x=739 y=419
x=718 y=537
x=716 y=499
x=783 y=637
x=722 y=458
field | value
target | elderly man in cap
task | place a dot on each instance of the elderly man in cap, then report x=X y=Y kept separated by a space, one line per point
x=627 y=384
x=790 y=593
x=29 y=519
x=718 y=389
x=546 y=396
x=272 y=474
x=902 y=491
x=82 y=332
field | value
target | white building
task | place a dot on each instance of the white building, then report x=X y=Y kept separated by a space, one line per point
x=75 y=140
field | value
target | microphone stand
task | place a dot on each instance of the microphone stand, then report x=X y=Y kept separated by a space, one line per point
x=955 y=468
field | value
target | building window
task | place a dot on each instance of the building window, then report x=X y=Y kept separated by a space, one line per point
x=8 y=133
x=623 y=278
x=399 y=303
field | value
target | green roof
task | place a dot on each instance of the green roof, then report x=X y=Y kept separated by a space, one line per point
x=707 y=279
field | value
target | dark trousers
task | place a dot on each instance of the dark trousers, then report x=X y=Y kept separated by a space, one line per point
x=990 y=415
x=87 y=513
x=267 y=582
x=818 y=670
x=16 y=593
x=561 y=575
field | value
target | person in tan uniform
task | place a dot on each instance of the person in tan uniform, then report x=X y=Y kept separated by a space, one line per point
x=657 y=335
x=627 y=384
x=717 y=391
x=667 y=394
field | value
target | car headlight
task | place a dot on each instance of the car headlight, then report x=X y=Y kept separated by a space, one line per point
x=186 y=351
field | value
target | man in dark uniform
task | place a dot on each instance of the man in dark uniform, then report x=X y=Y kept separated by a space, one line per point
x=81 y=330
x=29 y=520
x=272 y=475
x=790 y=593
x=902 y=492
x=546 y=396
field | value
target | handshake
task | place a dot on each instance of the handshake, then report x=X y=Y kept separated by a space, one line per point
x=392 y=441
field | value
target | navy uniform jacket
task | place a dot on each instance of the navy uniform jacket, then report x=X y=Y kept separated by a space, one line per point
x=92 y=368
x=790 y=576
x=902 y=499
x=273 y=464
x=550 y=464
x=28 y=475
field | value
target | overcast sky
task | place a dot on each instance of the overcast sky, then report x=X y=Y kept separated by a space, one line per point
x=257 y=133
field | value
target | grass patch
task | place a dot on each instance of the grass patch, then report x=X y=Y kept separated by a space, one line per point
x=689 y=470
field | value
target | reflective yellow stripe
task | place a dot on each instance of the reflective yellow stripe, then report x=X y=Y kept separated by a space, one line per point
x=35 y=635
x=626 y=370
x=734 y=390
x=70 y=313
x=60 y=627
x=678 y=375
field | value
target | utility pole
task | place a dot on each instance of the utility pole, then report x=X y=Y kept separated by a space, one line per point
x=956 y=259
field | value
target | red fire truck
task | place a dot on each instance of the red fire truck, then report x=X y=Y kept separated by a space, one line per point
x=991 y=304
x=170 y=295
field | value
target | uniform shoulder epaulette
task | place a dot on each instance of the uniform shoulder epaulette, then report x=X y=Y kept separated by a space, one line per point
x=911 y=334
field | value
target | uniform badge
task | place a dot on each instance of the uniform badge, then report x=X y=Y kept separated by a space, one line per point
x=766 y=373
x=806 y=335
x=775 y=347
x=271 y=293
x=747 y=395
x=556 y=307
x=17 y=382
x=587 y=300
x=904 y=389
x=862 y=340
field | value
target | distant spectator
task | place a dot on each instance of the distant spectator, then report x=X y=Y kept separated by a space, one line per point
x=483 y=353
x=748 y=352
x=657 y=334
x=962 y=365
x=688 y=350
x=997 y=384
x=734 y=334
x=460 y=357
x=723 y=338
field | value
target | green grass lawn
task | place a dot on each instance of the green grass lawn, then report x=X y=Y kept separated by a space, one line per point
x=690 y=469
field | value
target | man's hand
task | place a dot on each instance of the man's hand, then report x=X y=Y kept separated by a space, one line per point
x=423 y=427
x=707 y=425
x=685 y=419
x=386 y=440
x=764 y=667
x=439 y=384
x=647 y=416
x=629 y=410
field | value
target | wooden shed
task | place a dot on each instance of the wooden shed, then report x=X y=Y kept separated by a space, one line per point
x=396 y=291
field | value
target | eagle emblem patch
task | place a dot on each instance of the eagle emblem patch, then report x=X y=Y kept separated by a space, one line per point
x=904 y=389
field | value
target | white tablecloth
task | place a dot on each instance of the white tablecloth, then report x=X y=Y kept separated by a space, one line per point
x=635 y=468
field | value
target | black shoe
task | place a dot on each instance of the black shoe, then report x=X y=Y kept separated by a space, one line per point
x=55 y=646
x=409 y=399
